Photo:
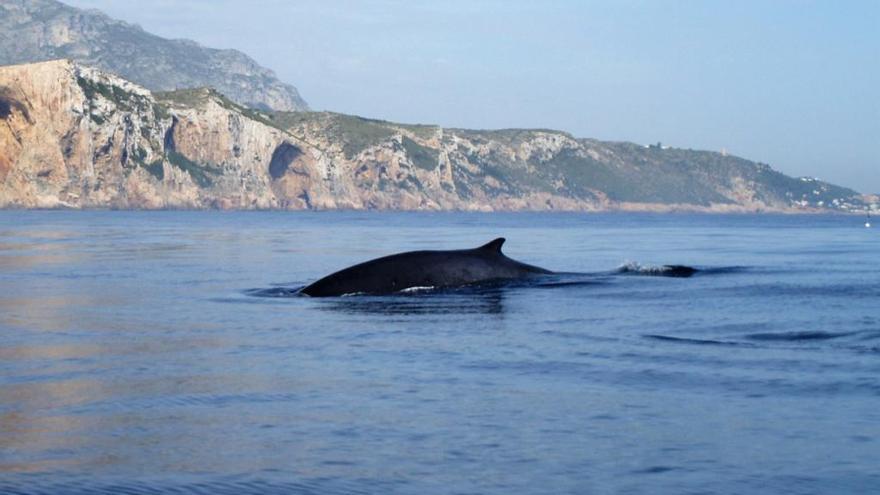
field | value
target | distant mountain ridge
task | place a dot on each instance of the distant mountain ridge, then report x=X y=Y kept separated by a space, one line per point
x=38 y=30
x=76 y=137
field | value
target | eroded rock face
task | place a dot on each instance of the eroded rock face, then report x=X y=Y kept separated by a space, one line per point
x=72 y=136
x=282 y=158
x=77 y=137
x=35 y=30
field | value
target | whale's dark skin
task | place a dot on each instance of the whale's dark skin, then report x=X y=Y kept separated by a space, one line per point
x=677 y=271
x=436 y=269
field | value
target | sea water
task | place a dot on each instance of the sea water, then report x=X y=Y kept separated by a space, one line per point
x=137 y=357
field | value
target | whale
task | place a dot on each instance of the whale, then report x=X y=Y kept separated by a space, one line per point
x=431 y=270
x=424 y=269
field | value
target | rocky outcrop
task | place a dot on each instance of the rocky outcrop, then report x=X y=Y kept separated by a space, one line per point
x=36 y=30
x=73 y=136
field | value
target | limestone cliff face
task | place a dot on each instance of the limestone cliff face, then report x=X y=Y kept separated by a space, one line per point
x=36 y=30
x=72 y=136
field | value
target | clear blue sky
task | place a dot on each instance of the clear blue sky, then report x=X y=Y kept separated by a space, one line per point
x=792 y=83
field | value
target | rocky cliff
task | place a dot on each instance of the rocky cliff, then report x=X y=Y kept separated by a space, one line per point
x=73 y=136
x=35 y=30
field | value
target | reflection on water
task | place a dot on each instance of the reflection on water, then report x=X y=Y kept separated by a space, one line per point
x=134 y=360
x=52 y=256
x=483 y=301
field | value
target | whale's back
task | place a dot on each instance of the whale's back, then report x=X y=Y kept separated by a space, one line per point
x=434 y=269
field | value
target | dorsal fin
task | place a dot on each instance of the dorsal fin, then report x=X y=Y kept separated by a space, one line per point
x=493 y=246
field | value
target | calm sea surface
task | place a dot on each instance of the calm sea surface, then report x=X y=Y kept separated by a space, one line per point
x=136 y=358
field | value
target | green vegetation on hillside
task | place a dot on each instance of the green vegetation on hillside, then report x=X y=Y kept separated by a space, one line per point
x=198 y=97
x=421 y=131
x=123 y=99
x=202 y=174
x=506 y=136
x=154 y=168
x=191 y=97
x=421 y=156
x=514 y=177
x=354 y=133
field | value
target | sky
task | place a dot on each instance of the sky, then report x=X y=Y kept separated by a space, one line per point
x=795 y=84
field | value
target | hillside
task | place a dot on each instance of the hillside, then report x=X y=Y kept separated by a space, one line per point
x=37 y=30
x=73 y=136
